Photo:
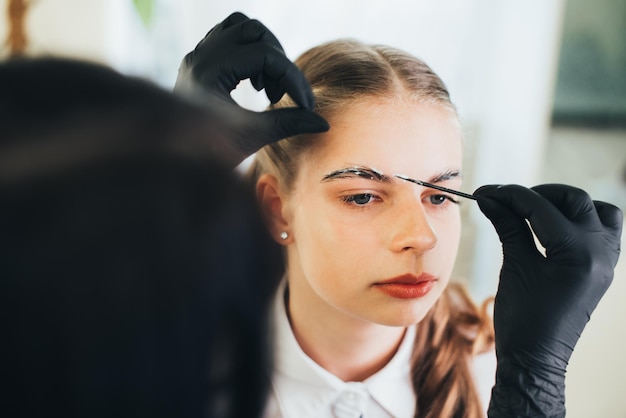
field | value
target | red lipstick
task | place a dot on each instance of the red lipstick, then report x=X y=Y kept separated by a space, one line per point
x=407 y=286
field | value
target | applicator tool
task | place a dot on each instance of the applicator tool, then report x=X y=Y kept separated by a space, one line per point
x=434 y=186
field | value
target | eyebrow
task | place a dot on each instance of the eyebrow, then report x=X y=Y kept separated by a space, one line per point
x=357 y=171
x=446 y=175
x=369 y=173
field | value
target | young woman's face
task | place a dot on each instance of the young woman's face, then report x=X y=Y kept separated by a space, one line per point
x=363 y=242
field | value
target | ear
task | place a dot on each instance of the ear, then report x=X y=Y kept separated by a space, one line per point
x=272 y=205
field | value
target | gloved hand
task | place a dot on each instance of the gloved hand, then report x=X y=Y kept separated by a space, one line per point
x=237 y=49
x=543 y=303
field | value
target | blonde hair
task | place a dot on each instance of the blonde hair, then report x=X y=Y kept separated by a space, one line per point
x=342 y=72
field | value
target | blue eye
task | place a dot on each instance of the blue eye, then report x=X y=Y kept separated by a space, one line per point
x=440 y=199
x=359 y=199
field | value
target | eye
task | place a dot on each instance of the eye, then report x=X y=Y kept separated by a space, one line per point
x=440 y=199
x=360 y=199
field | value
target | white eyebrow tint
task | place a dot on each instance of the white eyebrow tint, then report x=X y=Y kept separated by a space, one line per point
x=370 y=173
x=376 y=175
x=357 y=171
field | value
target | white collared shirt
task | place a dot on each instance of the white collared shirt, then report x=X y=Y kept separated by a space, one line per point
x=303 y=389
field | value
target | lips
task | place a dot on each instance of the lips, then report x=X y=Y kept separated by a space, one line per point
x=407 y=286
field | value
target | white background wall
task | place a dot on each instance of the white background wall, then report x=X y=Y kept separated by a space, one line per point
x=498 y=59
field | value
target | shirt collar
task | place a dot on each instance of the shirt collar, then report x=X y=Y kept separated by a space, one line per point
x=391 y=387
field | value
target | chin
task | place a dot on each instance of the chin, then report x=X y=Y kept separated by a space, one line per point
x=405 y=317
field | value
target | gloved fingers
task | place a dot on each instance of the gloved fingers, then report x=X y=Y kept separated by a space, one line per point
x=294 y=84
x=252 y=31
x=584 y=234
x=610 y=215
x=548 y=223
x=266 y=67
x=237 y=29
x=273 y=89
x=278 y=74
x=255 y=31
x=574 y=203
x=612 y=218
x=240 y=48
x=591 y=215
x=510 y=227
x=241 y=30
x=283 y=76
x=234 y=19
x=258 y=82
x=247 y=62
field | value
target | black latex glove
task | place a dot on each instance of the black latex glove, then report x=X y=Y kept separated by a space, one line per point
x=240 y=48
x=543 y=303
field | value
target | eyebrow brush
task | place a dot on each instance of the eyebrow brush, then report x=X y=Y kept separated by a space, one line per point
x=434 y=186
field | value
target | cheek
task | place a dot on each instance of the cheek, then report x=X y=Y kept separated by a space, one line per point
x=336 y=254
x=451 y=228
x=448 y=239
x=329 y=242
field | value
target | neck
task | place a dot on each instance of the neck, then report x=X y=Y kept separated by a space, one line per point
x=350 y=348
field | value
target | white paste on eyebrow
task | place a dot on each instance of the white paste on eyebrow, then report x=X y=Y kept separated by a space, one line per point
x=359 y=171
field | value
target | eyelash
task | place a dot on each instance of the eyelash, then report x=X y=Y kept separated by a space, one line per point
x=445 y=197
x=352 y=199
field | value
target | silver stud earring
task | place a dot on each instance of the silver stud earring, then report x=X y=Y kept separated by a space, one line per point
x=284 y=235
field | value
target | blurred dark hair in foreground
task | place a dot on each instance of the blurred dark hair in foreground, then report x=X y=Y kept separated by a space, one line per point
x=134 y=278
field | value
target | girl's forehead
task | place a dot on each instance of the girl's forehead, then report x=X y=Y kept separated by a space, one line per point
x=383 y=136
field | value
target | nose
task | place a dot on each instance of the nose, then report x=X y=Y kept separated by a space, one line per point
x=412 y=231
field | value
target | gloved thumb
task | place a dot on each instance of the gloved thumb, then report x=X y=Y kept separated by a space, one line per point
x=287 y=122
x=273 y=125
x=290 y=122
x=510 y=227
